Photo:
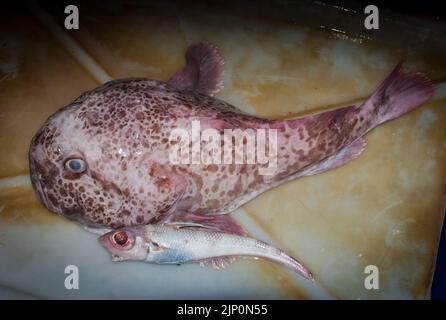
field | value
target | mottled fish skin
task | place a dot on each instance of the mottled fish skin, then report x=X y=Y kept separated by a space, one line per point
x=165 y=244
x=121 y=130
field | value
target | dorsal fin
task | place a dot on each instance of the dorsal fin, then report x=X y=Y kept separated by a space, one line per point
x=203 y=72
x=219 y=222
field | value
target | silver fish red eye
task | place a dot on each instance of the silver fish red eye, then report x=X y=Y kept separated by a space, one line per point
x=76 y=165
x=121 y=239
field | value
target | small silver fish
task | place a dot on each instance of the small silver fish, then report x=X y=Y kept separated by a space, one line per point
x=171 y=244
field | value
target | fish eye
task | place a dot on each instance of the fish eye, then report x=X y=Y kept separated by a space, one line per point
x=75 y=165
x=121 y=239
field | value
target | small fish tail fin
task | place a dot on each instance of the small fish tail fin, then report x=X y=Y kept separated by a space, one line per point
x=398 y=94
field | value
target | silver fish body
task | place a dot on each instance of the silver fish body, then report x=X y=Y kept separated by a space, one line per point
x=166 y=244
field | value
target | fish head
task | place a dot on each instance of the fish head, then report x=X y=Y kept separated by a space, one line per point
x=127 y=243
x=68 y=170
x=94 y=161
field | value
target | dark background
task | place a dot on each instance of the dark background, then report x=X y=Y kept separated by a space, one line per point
x=439 y=285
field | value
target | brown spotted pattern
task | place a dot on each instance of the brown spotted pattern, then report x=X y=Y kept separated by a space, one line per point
x=121 y=130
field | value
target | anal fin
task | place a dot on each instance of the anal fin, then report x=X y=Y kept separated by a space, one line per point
x=217 y=262
x=345 y=155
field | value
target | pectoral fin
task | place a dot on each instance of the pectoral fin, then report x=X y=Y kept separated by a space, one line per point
x=169 y=185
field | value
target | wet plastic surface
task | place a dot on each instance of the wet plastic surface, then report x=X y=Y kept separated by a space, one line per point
x=385 y=208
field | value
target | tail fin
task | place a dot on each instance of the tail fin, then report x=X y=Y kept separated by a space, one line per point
x=398 y=94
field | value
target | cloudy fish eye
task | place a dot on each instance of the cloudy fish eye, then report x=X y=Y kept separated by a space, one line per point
x=75 y=165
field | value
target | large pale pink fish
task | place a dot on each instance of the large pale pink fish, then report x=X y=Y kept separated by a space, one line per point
x=104 y=161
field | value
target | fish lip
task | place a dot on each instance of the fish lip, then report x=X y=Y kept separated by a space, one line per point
x=40 y=191
x=39 y=187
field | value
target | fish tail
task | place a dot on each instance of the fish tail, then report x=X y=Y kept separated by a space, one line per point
x=398 y=94
x=263 y=249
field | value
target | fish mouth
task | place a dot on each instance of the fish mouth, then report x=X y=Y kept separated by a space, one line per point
x=40 y=191
x=36 y=181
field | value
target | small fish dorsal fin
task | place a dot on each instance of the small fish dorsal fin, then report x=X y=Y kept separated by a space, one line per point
x=203 y=72
x=217 y=222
